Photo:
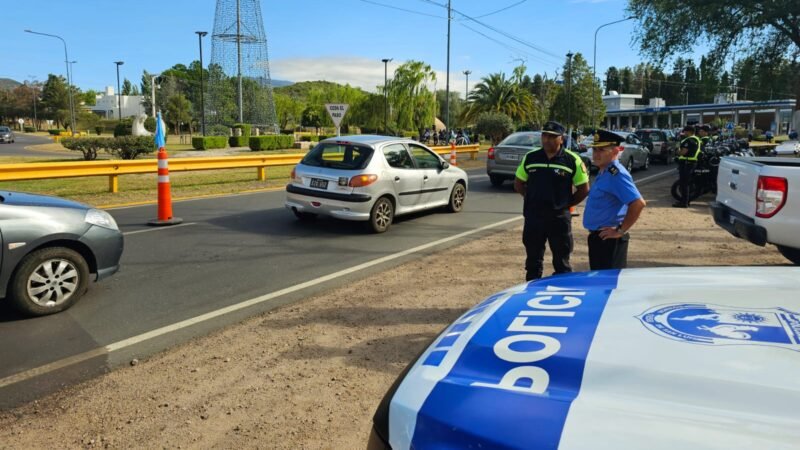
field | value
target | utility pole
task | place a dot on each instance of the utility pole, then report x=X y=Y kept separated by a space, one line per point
x=386 y=95
x=200 y=35
x=153 y=92
x=119 y=92
x=447 y=87
x=239 y=56
x=569 y=91
x=466 y=91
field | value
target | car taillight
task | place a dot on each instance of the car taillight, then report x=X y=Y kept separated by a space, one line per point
x=490 y=155
x=362 y=180
x=770 y=195
x=294 y=177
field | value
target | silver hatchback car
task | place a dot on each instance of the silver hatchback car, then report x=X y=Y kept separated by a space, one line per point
x=373 y=178
x=504 y=158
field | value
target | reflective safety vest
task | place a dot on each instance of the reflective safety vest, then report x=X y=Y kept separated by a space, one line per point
x=696 y=155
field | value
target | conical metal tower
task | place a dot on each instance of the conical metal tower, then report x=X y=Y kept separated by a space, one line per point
x=239 y=85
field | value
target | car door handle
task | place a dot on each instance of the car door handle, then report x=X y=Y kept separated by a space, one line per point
x=396 y=178
x=425 y=178
x=732 y=185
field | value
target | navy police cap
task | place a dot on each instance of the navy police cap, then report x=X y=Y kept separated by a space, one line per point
x=553 y=127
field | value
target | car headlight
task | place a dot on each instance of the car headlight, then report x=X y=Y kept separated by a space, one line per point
x=101 y=219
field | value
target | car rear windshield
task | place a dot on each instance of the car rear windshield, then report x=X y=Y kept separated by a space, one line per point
x=338 y=155
x=5 y=129
x=524 y=140
x=654 y=136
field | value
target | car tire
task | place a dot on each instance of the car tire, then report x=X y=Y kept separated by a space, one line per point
x=629 y=165
x=381 y=215
x=304 y=216
x=28 y=290
x=792 y=254
x=496 y=180
x=457 y=197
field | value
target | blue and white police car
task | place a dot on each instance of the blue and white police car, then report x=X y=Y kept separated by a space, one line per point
x=667 y=358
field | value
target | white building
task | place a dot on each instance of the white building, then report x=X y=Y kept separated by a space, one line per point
x=106 y=105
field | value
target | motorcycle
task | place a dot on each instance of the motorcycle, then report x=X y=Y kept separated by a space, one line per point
x=704 y=178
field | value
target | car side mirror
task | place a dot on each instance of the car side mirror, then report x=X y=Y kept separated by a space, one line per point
x=445 y=165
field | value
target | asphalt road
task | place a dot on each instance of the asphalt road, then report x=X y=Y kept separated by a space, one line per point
x=23 y=140
x=227 y=251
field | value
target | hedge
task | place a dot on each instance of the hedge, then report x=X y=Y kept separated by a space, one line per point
x=238 y=141
x=29 y=129
x=125 y=147
x=209 y=142
x=55 y=132
x=272 y=142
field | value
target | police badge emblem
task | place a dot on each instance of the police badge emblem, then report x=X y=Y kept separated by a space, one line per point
x=720 y=325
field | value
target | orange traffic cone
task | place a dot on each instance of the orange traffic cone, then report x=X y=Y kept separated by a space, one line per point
x=164 y=195
x=453 y=154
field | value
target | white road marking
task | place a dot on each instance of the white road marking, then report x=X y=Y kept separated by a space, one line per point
x=81 y=357
x=158 y=228
x=658 y=175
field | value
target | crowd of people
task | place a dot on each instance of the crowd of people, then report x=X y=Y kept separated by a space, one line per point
x=458 y=136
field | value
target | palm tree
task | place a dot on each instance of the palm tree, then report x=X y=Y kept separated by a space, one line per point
x=496 y=93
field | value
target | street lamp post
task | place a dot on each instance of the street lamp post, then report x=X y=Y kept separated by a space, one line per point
x=35 y=94
x=466 y=91
x=385 y=95
x=200 y=35
x=594 y=59
x=119 y=92
x=153 y=93
x=69 y=82
x=569 y=91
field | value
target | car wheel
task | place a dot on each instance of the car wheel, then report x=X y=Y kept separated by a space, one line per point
x=496 y=180
x=48 y=281
x=457 y=196
x=792 y=254
x=304 y=216
x=380 y=218
x=629 y=165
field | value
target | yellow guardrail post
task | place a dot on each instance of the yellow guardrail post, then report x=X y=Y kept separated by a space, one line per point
x=113 y=184
x=261 y=173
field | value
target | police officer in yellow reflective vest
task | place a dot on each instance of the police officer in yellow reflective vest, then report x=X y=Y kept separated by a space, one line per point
x=545 y=179
x=688 y=153
x=703 y=133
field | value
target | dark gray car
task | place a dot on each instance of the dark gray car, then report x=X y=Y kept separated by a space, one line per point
x=504 y=158
x=7 y=135
x=51 y=247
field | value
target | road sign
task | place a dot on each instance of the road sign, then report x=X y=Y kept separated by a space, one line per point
x=21 y=121
x=337 y=112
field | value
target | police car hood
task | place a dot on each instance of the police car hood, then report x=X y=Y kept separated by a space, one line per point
x=644 y=358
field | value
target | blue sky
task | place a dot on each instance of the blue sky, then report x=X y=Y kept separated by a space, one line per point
x=334 y=40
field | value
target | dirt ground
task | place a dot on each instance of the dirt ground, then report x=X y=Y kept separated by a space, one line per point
x=311 y=374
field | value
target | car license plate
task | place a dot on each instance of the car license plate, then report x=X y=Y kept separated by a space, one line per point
x=511 y=157
x=319 y=184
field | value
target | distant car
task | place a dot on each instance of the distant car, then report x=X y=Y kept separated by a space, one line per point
x=656 y=358
x=504 y=158
x=373 y=179
x=788 y=148
x=586 y=143
x=634 y=155
x=51 y=247
x=662 y=144
x=7 y=135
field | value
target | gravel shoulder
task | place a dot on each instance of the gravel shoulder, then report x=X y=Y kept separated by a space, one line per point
x=309 y=375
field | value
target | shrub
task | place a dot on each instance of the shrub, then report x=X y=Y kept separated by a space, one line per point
x=238 y=141
x=410 y=134
x=129 y=147
x=29 y=129
x=271 y=142
x=123 y=128
x=150 y=124
x=218 y=130
x=495 y=126
x=245 y=127
x=55 y=132
x=209 y=142
x=87 y=146
x=98 y=130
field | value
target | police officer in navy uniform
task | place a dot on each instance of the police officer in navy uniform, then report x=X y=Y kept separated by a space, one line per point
x=545 y=178
x=688 y=153
x=613 y=206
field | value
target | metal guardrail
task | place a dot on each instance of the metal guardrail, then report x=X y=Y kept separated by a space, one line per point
x=114 y=168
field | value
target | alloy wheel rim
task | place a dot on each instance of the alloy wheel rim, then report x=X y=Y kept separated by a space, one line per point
x=53 y=282
x=458 y=197
x=383 y=215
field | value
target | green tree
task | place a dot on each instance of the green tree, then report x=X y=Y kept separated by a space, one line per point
x=496 y=93
x=585 y=95
x=311 y=117
x=127 y=87
x=55 y=100
x=412 y=103
x=289 y=110
x=613 y=80
x=495 y=125
x=179 y=111
x=764 y=30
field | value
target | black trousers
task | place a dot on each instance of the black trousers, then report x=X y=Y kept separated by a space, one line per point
x=685 y=172
x=609 y=253
x=553 y=228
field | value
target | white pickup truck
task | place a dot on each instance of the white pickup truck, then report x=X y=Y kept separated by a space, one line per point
x=758 y=199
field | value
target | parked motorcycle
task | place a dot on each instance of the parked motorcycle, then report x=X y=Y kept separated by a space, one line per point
x=704 y=179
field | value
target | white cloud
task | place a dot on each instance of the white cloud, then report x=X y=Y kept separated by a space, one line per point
x=357 y=71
